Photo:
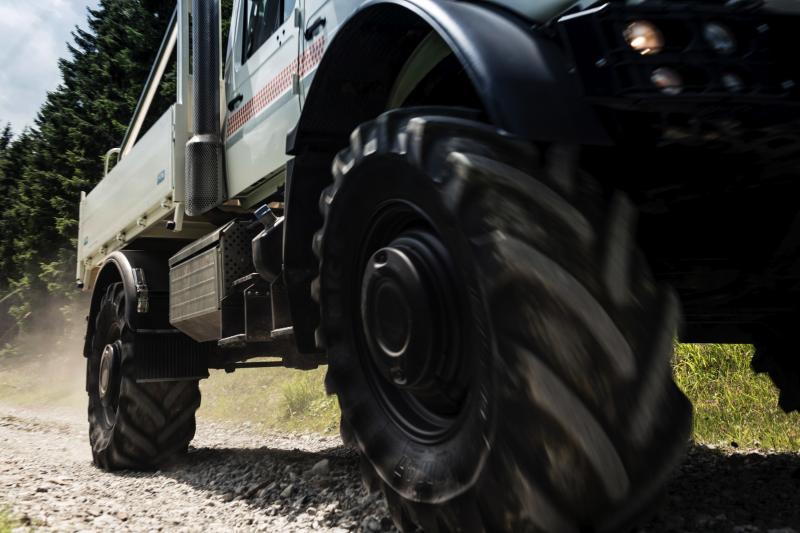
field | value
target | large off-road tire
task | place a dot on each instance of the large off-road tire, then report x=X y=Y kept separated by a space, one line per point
x=500 y=351
x=132 y=425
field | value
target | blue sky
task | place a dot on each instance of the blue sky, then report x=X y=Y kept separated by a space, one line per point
x=33 y=35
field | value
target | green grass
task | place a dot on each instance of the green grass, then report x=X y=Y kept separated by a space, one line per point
x=304 y=404
x=732 y=404
x=271 y=399
x=6 y=522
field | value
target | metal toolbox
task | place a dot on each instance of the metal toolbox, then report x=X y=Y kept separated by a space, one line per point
x=202 y=273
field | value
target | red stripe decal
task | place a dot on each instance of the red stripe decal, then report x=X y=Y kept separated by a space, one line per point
x=275 y=87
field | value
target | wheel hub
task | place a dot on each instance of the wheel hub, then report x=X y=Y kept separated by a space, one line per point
x=407 y=310
x=109 y=367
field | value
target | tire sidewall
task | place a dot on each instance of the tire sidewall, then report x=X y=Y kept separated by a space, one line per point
x=421 y=472
x=108 y=319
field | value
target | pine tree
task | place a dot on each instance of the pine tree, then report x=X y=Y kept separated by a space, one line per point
x=44 y=169
x=81 y=119
x=5 y=137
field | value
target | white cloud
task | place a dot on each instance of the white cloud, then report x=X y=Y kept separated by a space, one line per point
x=33 y=35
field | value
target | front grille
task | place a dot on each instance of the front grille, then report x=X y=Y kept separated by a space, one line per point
x=763 y=59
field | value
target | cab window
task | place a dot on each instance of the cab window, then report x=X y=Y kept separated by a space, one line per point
x=261 y=19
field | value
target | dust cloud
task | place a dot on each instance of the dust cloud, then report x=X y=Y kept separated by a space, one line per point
x=41 y=361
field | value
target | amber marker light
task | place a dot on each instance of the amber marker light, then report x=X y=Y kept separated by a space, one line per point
x=644 y=37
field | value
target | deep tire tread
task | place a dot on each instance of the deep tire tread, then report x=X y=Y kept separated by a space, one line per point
x=473 y=167
x=154 y=421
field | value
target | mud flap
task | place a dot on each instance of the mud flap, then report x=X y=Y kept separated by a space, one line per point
x=169 y=355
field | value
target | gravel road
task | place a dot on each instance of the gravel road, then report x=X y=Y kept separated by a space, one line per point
x=232 y=479
x=235 y=479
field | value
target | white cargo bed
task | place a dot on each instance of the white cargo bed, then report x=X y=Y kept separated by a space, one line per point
x=138 y=193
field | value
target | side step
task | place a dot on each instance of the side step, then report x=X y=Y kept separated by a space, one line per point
x=241 y=340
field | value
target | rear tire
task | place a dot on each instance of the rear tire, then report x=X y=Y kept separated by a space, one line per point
x=562 y=414
x=132 y=425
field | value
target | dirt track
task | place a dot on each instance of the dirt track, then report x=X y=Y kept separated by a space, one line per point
x=234 y=479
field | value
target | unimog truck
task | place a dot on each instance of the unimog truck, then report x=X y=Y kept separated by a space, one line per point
x=489 y=219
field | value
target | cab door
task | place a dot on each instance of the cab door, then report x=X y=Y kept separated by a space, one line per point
x=321 y=20
x=261 y=92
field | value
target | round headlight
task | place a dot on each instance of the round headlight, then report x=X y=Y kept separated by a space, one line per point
x=720 y=38
x=644 y=37
x=667 y=80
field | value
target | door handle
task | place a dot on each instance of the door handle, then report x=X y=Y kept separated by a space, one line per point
x=233 y=103
x=313 y=27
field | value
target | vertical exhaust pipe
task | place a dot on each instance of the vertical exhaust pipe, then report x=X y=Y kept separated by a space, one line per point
x=205 y=177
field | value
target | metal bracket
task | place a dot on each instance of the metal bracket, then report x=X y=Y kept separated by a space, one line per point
x=295 y=83
x=107 y=158
x=265 y=216
x=142 y=293
x=176 y=224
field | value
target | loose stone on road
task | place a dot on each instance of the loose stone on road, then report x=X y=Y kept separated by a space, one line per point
x=230 y=480
x=234 y=479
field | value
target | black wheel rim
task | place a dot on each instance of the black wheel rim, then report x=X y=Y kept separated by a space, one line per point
x=109 y=376
x=410 y=323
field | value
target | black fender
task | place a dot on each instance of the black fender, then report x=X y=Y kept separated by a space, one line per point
x=521 y=76
x=119 y=266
